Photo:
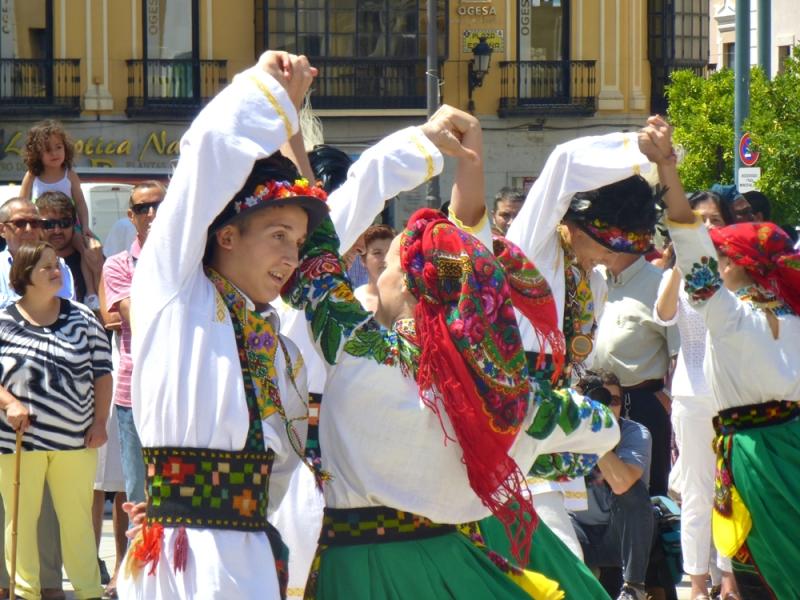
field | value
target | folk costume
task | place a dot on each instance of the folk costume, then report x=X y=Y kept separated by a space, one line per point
x=399 y=162
x=753 y=367
x=576 y=166
x=453 y=386
x=219 y=398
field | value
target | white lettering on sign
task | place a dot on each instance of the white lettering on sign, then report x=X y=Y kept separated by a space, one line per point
x=477 y=11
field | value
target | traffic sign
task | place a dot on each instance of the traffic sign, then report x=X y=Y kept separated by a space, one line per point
x=747 y=153
x=747 y=178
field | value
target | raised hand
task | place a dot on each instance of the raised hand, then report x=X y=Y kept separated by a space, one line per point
x=446 y=129
x=293 y=72
x=655 y=141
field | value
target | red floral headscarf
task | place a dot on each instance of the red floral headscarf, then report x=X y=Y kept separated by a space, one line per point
x=472 y=358
x=766 y=253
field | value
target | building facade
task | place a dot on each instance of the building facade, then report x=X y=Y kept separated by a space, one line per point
x=784 y=34
x=127 y=76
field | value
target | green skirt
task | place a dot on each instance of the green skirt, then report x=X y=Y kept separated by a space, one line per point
x=550 y=557
x=766 y=472
x=435 y=568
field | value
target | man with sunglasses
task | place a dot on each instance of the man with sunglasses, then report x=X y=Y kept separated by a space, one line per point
x=618 y=527
x=21 y=223
x=117 y=277
x=58 y=228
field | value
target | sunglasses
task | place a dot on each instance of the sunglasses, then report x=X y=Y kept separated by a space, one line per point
x=65 y=223
x=144 y=207
x=23 y=223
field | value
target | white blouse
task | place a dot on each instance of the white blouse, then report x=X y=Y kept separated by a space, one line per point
x=688 y=380
x=744 y=363
x=579 y=165
x=187 y=387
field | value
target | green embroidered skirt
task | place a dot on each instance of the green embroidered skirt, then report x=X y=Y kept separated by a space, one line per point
x=550 y=557
x=444 y=567
x=766 y=471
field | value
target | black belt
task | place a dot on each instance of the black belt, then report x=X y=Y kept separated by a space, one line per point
x=201 y=488
x=650 y=385
x=375 y=525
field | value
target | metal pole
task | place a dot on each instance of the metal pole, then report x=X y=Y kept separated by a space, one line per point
x=432 y=78
x=764 y=36
x=741 y=107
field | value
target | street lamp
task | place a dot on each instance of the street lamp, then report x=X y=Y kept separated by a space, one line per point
x=478 y=67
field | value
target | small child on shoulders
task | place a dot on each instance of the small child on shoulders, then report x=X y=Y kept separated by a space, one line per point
x=48 y=157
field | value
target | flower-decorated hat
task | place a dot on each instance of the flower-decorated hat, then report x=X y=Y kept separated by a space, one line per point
x=620 y=216
x=274 y=182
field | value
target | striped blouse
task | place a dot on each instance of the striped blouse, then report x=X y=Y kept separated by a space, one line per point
x=52 y=371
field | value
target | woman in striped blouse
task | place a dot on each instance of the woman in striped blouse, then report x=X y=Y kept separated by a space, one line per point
x=55 y=365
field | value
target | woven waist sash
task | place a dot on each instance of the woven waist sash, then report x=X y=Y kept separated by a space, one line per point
x=774 y=412
x=376 y=525
x=201 y=488
x=734 y=420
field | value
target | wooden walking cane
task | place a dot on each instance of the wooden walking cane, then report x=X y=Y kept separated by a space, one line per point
x=12 y=575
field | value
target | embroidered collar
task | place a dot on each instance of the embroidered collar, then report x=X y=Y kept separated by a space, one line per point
x=758 y=297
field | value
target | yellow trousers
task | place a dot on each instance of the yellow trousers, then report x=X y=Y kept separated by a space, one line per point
x=70 y=476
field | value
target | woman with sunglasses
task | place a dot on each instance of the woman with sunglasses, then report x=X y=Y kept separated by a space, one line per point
x=55 y=365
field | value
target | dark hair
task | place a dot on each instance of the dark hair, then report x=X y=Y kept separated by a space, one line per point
x=24 y=262
x=630 y=204
x=146 y=185
x=378 y=232
x=36 y=144
x=330 y=166
x=57 y=202
x=724 y=208
x=759 y=202
x=592 y=384
x=508 y=194
x=274 y=167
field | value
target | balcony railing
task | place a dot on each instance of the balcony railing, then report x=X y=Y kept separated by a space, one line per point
x=40 y=86
x=369 y=83
x=173 y=88
x=540 y=87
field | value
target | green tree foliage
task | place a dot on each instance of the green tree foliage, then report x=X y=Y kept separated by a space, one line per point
x=701 y=111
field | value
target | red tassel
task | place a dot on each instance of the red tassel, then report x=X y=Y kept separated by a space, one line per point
x=148 y=550
x=180 y=550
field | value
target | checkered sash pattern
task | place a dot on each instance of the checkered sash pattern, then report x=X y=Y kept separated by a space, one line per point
x=375 y=524
x=201 y=488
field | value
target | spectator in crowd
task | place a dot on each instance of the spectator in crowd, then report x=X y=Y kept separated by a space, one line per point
x=507 y=204
x=58 y=214
x=618 y=527
x=49 y=155
x=54 y=364
x=692 y=412
x=119 y=238
x=20 y=223
x=632 y=346
x=117 y=277
x=760 y=204
x=376 y=243
x=742 y=210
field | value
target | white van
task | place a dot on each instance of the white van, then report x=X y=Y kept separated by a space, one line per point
x=107 y=204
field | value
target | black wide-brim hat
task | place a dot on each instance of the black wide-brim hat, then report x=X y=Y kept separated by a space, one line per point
x=274 y=182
